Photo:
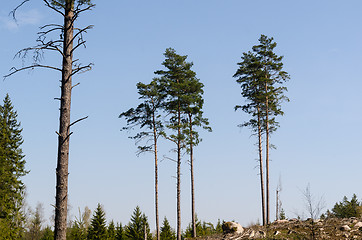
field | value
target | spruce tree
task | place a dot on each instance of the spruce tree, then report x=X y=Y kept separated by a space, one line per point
x=111 y=231
x=120 y=232
x=12 y=168
x=136 y=228
x=167 y=233
x=98 y=229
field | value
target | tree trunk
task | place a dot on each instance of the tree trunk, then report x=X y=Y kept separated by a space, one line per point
x=277 y=205
x=267 y=153
x=156 y=177
x=179 y=174
x=64 y=124
x=192 y=180
x=261 y=167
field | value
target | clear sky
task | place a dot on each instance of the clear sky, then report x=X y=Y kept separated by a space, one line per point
x=319 y=141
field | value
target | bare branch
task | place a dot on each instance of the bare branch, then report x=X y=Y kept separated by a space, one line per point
x=57 y=99
x=13 y=12
x=78 y=45
x=82 y=69
x=67 y=138
x=15 y=70
x=51 y=7
x=81 y=119
x=171 y=159
x=75 y=85
x=50 y=30
x=78 y=11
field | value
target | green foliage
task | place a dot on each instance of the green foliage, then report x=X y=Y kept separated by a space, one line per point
x=97 y=229
x=79 y=227
x=203 y=228
x=179 y=85
x=135 y=229
x=146 y=115
x=282 y=215
x=261 y=77
x=12 y=168
x=347 y=209
x=61 y=3
x=47 y=234
x=167 y=233
x=111 y=231
x=120 y=232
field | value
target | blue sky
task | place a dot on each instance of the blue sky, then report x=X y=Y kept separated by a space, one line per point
x=318 y=141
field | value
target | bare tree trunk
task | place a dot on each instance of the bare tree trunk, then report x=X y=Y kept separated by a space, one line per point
x=179 y=175
x=192 y=180
x=156 y=178
x=64 y=125
x=261 y=168
x=277 y=205
x=267 y=154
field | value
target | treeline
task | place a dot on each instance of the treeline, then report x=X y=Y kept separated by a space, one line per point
x=94 y=226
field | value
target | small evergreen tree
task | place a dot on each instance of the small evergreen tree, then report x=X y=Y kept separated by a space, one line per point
x=167 y=233
x=135 y=230
x=347 y=209
x=98 y=229
x=47 y=234
x=111 y=231
x=120 y=232
x=12 y=168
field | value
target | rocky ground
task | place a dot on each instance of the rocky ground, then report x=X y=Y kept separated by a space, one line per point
x=332 y=229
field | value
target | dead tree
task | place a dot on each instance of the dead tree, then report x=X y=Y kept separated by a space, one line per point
x=68 y=39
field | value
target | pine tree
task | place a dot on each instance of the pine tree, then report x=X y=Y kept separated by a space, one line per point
x=176 y=81
x=98 y=229
x=194 y=102
x=261 y=77
x=63 y=38
x=167 y=233
x=135 y=230
x=273 y=77
x=12 y=168
x=248 y=75
x=146 y=116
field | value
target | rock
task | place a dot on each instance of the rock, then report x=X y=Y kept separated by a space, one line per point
x=281 y=221
x=358 y=225
x=232 y=227
x=345 y=228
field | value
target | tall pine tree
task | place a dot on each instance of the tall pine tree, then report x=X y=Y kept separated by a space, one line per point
x=261 y=77
x=63 y=38
x=178 y=82
x=194 y=102
x=12 y=168
x=146 y=116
